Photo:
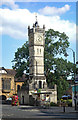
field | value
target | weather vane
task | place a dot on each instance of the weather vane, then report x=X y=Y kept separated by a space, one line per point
x=36 y=16
x=36 y=23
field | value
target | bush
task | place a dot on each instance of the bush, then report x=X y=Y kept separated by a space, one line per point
x=69 y=102
x=53 y=104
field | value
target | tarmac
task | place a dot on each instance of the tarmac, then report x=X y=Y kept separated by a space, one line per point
x=23 y=111
x=50 y=109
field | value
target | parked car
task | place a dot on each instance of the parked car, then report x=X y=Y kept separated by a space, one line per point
x=8 y=100
x=65 y=97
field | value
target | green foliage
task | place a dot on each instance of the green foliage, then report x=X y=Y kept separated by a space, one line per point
x=56 y=44
x=39 y=90
x=68 y=102
x=53 y=104
x=21 y=60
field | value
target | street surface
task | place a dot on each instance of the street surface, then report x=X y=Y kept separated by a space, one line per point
x=9 y=111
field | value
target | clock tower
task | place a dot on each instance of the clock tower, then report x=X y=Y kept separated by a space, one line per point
x=36 y=56
x=38 y=90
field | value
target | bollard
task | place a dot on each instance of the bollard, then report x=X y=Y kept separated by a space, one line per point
x=63 y=108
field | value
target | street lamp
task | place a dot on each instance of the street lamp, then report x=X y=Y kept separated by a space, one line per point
x=76 y=79
x=74 y=74
x=77 y=68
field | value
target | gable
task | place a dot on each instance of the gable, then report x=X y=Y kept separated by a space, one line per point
x=2 y=70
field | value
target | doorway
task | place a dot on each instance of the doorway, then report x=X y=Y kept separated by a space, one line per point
x=40 y=84
x=22 y=99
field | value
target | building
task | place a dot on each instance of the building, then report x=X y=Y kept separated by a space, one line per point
x=75 y=95
x=75 y=89
x=9 y=85
x=38 y=90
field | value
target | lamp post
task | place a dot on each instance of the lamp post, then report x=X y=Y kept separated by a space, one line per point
x=77 y=68
x=74 y=75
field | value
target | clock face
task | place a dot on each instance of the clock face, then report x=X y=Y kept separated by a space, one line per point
x=39 y=39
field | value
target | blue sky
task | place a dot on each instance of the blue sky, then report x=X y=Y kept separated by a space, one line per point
x=16 y=16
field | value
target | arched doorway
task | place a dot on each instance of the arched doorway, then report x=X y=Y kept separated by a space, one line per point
x=40 y=84
x=23 y=100
x=18 y=87
x=3 y=97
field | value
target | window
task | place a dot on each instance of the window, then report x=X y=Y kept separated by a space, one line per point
x=6 y=84
x=40 y=51
x=43 y=84
x=37 y=51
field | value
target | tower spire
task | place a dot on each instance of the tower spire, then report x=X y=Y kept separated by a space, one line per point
x=36 y=16
x=36 y=22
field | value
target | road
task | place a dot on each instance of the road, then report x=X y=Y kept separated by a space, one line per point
x=9 y=111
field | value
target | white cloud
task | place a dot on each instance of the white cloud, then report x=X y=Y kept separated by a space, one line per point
x=9 y=3
x=56 y=23
x=76 y=43
x=53 y=10
x=15 y=23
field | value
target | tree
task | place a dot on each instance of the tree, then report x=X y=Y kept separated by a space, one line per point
x=56 y=44
x=21 y=60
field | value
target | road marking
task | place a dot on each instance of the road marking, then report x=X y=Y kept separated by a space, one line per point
x=31 y=110
x=7 y=114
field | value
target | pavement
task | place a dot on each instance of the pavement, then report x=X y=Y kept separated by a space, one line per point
x=34 y=112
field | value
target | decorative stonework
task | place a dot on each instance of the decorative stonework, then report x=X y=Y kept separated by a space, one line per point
x=38 y=90
x=36 y=53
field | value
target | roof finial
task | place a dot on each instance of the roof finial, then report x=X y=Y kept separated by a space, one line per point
x=36 y=23
x=36 y=16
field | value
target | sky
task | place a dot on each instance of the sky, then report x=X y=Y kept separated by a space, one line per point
x=16 y=16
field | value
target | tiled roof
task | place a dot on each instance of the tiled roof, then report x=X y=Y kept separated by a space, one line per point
x=8 y=71
x=13 y=72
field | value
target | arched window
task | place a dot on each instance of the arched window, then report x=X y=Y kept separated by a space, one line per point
x=37 y=51
x=40 y=51
x=18 y=87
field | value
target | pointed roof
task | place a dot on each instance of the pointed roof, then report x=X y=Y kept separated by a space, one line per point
x=36 y=22
x=7 y=71
x=13 y=73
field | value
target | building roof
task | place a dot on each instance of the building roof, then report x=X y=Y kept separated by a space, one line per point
x=7 y=71
x=2 y=70
x=13 y=73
